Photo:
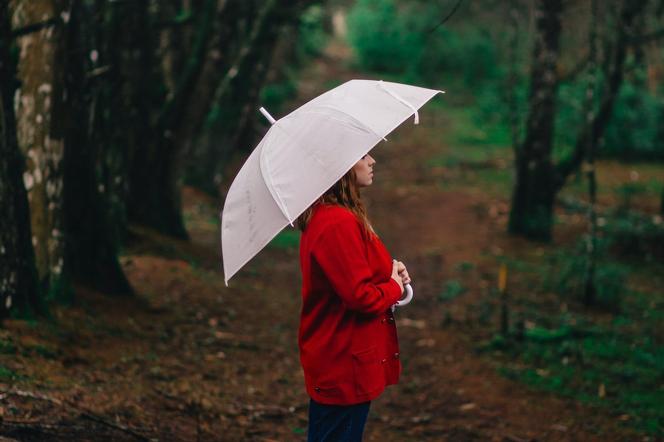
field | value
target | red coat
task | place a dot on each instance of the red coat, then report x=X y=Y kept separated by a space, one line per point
x=347 y=338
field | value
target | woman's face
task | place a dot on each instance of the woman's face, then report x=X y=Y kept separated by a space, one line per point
x=364 y=171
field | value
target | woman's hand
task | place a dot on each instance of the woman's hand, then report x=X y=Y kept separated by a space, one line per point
x=395 y=273
x=403 y=272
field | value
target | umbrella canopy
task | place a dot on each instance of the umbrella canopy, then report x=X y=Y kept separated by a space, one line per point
x=303 y=154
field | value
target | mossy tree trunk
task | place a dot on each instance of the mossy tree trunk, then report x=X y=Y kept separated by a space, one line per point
x=18 y=274
x=40 y=137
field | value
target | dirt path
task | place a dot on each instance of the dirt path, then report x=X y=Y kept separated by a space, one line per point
x=190 y=359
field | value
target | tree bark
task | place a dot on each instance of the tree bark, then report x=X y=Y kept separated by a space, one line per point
x=234 y=102
x=91 y=241
x=18 y=274
x=590 y=289
x=155 y=173
x=41 y=140
x=533 y=195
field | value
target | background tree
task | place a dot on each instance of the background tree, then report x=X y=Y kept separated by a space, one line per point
x=538 y=180
x=532 y=199
x=89 y=200
x=40 y=135
x=18 y=273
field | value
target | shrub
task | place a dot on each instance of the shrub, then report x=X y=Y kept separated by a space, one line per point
x=566 y=276
x=632 y=132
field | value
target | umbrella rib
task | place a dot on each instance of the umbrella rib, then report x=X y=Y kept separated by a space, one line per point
x=265 y=172
x=401 y=100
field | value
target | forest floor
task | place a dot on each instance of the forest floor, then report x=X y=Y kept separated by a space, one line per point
x=190 y=359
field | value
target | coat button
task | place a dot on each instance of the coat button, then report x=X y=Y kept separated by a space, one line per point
x=383 y=361
x=382 y=321
x=391 y=319
x=396 y=355
x=317 y=389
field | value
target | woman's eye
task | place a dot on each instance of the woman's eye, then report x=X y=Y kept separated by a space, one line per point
x=364 y=157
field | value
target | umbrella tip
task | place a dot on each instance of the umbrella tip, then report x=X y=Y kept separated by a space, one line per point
x=267 y=115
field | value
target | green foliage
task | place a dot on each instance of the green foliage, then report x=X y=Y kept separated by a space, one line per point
x=275 y=95
x=465 y=266
x=380 y=37
x=634 y=131
x=632 y=235
x=627 y=191
x=393 y=37
x=309 y=41
x=566 y=276
x=286 y=239
x=469 y=53
x=580 y=361
x=453 y=288
x=312 y=35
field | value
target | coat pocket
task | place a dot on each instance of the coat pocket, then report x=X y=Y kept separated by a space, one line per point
x=367 y=371
x=328 y=390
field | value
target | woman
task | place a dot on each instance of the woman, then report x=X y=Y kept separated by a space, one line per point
x=347 y=338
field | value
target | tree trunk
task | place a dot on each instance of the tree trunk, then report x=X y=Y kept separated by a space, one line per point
x=590 y=289
x=234 y=106
x=90 y=240
x=40 y=139
x=18 y=274
x=154 y=199
x=533 y=196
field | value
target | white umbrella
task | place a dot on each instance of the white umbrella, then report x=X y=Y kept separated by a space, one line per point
x=303 y=154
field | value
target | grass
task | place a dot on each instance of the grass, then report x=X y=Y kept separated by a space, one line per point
x=613 y=360
x=605 y=368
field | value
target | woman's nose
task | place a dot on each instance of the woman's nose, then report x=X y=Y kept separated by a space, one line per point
x=371 y=160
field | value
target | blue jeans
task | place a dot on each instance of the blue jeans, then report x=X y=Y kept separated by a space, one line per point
x=337 y=423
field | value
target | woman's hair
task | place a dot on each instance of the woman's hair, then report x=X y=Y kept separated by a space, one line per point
x=345 y=193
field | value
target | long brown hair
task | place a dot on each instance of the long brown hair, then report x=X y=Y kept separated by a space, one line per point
x=345 y=193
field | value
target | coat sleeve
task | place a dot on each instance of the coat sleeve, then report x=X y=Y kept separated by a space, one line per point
x=341 y=254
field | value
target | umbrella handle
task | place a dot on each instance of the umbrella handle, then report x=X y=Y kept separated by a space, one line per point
x=409 y=297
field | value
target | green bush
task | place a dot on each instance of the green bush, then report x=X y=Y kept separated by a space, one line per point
x=633 y=235
x=632 y=132
x=312 y=35
x=566 y=276
x=393 y=37
x=381 y=38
